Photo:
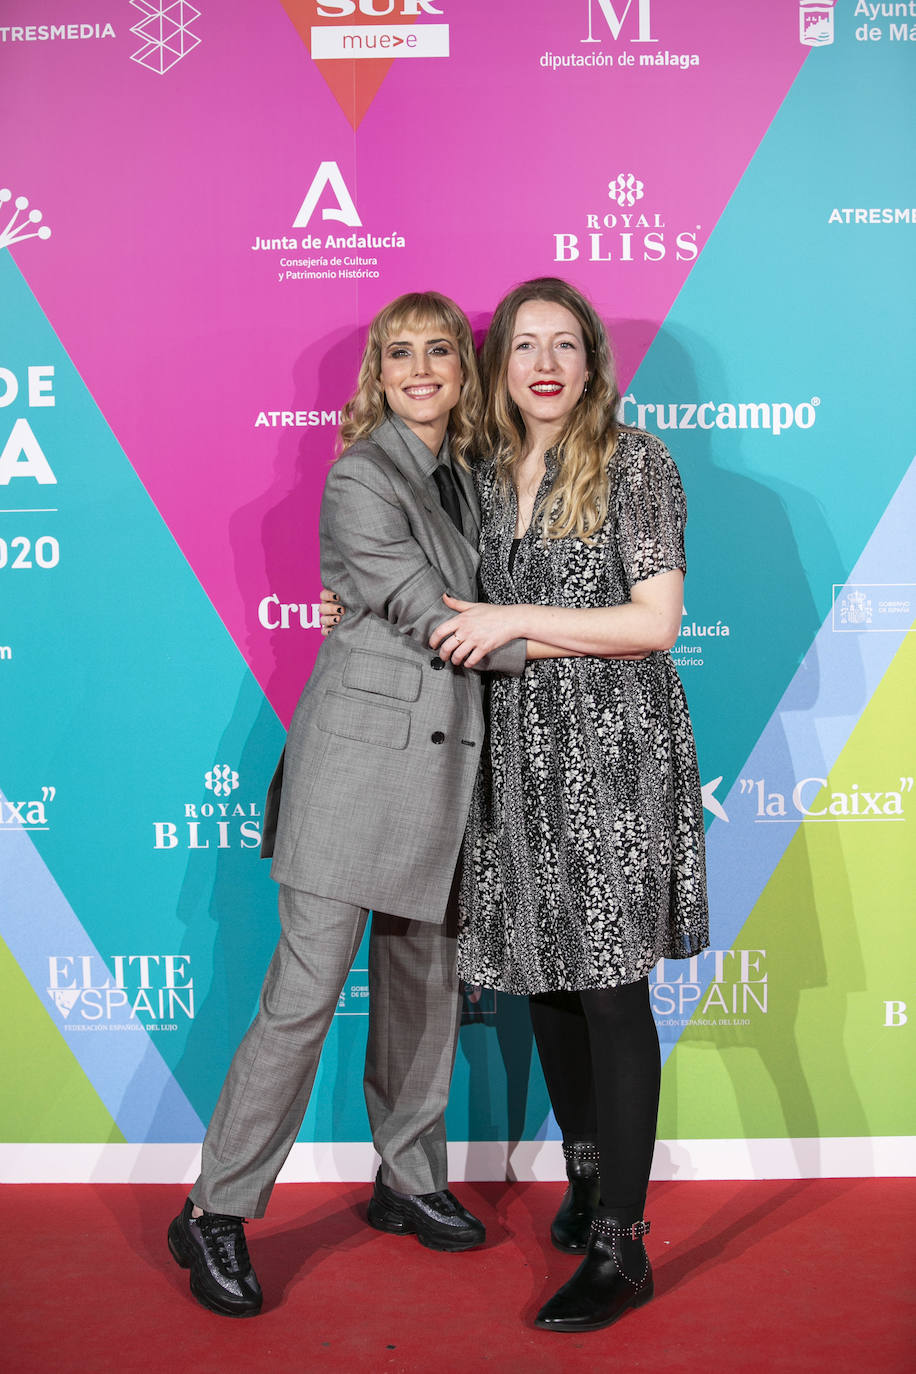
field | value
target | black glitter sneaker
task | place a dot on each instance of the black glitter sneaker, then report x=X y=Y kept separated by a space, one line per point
x=213 y=1247
x=438 y=1220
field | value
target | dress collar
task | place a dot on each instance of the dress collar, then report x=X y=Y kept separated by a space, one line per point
x=552 y=462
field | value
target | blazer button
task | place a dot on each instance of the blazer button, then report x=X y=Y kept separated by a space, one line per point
x=437 y=737
x=436 y=663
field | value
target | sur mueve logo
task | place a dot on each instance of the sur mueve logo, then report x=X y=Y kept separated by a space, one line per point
x=153 y=991
x=351 y=41
x=629 y=233
x=223 y=823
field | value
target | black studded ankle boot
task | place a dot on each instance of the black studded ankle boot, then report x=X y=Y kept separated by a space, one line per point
x=570 y=1227
x=614 y=1276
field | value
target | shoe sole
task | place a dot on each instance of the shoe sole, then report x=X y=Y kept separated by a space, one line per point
x=572 y=1326
x=185 y=1257
x=386 y=1219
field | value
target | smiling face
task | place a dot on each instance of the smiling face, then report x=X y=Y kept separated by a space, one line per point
x=422 y=376
x=548 y=366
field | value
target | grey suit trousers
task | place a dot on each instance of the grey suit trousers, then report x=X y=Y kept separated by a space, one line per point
x=413 y=1028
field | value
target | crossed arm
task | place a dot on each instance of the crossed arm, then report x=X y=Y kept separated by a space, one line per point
x=649 y=620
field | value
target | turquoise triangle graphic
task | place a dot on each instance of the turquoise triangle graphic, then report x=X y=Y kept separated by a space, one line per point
x=128 y=691
x=786 y=309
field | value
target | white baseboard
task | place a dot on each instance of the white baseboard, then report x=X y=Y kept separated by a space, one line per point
x=478 y=1161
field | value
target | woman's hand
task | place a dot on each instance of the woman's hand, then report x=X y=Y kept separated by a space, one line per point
x=330 y=612
x=475 y=631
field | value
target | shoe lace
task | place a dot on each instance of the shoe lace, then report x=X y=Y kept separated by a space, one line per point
x=224 y=1238
x=444 y=1202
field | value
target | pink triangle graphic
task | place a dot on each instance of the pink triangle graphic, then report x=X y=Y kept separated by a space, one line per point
x=166 y=274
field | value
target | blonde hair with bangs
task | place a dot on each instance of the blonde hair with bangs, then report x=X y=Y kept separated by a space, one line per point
x=578 y=501
x=417 y=310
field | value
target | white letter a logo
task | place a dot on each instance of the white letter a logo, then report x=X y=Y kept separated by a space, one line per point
x=328 y=174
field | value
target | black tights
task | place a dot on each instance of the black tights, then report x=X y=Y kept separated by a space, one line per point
x=599 y=1052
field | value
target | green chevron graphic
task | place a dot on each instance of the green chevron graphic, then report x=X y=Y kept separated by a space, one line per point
x=839 y=946
x=57 y=1104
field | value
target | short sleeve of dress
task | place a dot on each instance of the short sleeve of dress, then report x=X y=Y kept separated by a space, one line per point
x=650 y=507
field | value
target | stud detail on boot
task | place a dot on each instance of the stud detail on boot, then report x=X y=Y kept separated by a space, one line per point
x=608 y=1228
x=569 y=1229
x=614 y=1276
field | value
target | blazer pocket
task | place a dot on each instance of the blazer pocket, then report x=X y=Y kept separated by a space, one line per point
x=367 y=721
x=382 y=673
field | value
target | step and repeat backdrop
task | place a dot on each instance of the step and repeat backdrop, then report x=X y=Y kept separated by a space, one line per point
x=201 y=208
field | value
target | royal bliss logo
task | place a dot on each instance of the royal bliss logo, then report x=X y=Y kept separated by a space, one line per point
x=226 y=822
x=630 y=233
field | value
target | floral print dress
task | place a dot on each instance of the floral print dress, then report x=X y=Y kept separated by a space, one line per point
x=584 y=859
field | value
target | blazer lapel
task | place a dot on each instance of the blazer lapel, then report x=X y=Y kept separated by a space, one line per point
x=420 y=476
x=470 y=509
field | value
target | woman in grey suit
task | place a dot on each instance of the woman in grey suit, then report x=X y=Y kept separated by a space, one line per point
x=369 y=805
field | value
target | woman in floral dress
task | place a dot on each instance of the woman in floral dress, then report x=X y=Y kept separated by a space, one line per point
x=584 y=856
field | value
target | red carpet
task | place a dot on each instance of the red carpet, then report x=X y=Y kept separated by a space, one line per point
x=814 y=1275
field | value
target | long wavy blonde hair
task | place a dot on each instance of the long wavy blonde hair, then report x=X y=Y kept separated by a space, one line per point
x=419 y=311
x=577 y=503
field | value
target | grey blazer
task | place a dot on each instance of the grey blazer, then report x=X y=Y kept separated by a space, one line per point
x=371 y=796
